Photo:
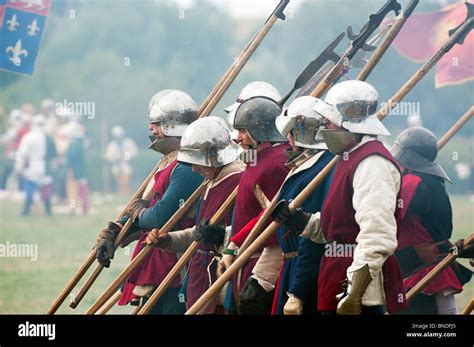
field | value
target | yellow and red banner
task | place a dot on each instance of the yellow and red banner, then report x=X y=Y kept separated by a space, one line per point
x=424 y=34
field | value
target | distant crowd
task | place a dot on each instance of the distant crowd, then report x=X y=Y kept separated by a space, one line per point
x=44 y=157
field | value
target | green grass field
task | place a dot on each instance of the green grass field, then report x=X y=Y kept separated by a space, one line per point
x=64 y=242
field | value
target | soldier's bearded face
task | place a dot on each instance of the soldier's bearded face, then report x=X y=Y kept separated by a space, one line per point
x=245 y=140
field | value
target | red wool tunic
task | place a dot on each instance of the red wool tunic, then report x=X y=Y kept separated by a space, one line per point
x=413 y=233
x=202 y=269
x=338 y=224
x=158 y=264
x=268 y=172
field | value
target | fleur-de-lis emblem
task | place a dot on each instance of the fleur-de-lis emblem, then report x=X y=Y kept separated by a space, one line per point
x=17 y=52
x=33 y=28
x=12 y=23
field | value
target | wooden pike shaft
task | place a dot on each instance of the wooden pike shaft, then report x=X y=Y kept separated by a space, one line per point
x=299 y=200
x=243 y=57
x=435 y=272
x=72 y=283
x=418 y=75
x=429 y=277
x=110 y=303
x=91 y=257
x=239 y=66
x=456 y=127
x=204 y=111
x=255 y=246
x=223 y=79
x=326 y=83
x=468 y=309
x=331 y=76
x=393 y=32
x=450 y=257
x=86 y=286
x=186 y=257
x=140 y=192
x=136 y=309
x=98 y=269
x=145 y=251
x=259 y=226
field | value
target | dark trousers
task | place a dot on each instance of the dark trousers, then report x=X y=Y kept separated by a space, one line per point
x=168 y=303
x=421 y=304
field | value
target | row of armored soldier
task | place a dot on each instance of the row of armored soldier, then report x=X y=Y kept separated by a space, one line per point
x=377 y=224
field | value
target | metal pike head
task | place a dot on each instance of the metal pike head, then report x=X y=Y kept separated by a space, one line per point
x=469 y=15
x=359 y=40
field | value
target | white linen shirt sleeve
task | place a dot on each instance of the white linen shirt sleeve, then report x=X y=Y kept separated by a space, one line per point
x=376 y=184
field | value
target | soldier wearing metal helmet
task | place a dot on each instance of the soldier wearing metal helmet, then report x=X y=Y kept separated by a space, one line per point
x=426 y=224
x=207 y=147
x=296 y=292
x=170 y=112
x=255 y=122
x=257 y=88
x=360 y=212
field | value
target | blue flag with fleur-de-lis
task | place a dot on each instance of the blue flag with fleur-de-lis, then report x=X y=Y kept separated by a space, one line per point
x=22 y=24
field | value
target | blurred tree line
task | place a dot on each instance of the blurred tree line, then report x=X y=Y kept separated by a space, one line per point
x=118 y=53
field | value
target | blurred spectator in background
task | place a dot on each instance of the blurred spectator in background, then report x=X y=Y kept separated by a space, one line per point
x=35 y=154
x=119 y=151
x=48 y=110
x=18 y=126
x=77 y=184
x=28 y=109
x=62 y=139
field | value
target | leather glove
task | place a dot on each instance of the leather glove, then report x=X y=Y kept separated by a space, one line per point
x=160 y=240
x=105 y=246
x=295 y=221
x=464 y=250
x=293 y=306
x=209 y=234
x=350 y=302
x=136 y=207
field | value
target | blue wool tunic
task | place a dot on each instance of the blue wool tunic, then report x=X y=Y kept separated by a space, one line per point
x=299 y=275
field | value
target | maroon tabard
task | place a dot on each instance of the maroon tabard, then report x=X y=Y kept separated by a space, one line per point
x=268 y=172
x=338 y=224
x=157 y=264
x=202 y=269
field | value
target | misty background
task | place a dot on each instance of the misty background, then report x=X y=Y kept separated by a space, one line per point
x=118 y=53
